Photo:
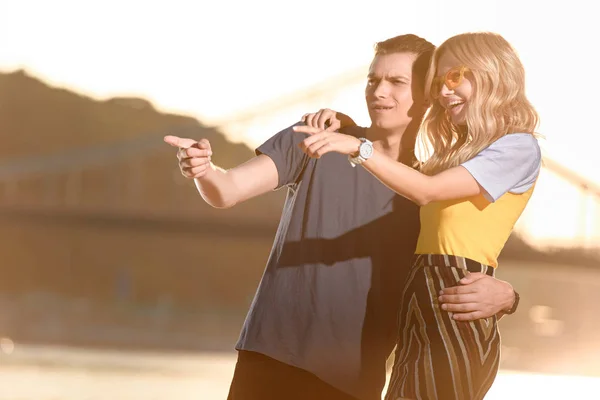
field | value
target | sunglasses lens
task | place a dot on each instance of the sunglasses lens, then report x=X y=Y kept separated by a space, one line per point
x=453 y=79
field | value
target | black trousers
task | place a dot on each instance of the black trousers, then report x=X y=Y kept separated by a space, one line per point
x=258 y=377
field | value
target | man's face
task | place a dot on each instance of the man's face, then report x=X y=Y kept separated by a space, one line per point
x=391 y=92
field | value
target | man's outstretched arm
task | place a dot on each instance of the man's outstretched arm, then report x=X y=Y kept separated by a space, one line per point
x=218 y=187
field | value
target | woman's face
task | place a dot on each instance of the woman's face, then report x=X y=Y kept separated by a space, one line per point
x=456 y=86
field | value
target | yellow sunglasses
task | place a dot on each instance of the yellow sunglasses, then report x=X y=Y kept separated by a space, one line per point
x=452 y=79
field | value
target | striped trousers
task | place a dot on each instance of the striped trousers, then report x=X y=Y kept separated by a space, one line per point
x=436 y=357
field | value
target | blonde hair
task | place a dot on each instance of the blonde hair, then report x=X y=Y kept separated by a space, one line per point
x=498 y=104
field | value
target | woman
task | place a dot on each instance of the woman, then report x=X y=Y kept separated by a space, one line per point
x=481 y=171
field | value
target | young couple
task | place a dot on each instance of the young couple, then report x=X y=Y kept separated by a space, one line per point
x=376 y=250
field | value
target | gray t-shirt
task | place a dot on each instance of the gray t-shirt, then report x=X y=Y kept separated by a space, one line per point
x=329 y=297
x=510 y=164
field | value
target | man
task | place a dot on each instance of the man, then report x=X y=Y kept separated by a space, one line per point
x=324 y=318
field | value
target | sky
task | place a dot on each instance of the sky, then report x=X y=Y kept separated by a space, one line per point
x=216 y=59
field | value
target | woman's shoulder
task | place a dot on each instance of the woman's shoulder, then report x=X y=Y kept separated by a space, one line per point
x=518 y=141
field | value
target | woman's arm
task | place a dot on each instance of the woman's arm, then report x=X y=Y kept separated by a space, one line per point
x=454 y=183
x=512 y=163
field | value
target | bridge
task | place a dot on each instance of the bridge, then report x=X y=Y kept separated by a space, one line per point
x=126 y=177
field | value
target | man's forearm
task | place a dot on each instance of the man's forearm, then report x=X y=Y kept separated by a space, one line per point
x=216 y=188
x=225 y=188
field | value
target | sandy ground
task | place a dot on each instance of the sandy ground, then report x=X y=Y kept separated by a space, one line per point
x=55 y=373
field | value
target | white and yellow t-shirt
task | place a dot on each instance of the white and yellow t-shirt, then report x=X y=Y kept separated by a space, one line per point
x=478 y=227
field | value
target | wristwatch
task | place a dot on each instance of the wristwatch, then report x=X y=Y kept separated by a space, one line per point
x=513 y=308
x=365 y=151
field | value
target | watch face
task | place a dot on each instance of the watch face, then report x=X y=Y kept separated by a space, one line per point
x=366 y=150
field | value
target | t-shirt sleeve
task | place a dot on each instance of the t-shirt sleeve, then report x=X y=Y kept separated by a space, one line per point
x=289 y=159
x=510 y=164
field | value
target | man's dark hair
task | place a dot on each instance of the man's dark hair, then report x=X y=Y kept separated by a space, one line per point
x=409 y=44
